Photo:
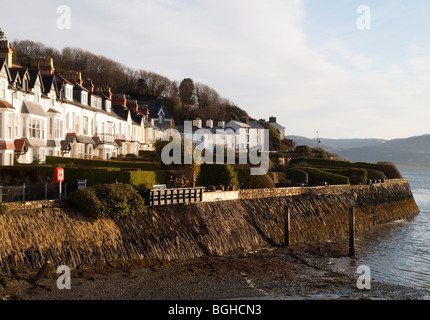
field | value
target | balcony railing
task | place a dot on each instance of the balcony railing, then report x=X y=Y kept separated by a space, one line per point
x=106 y=138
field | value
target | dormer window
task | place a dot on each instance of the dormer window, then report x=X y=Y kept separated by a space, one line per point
x=96 y=102
x=84 y=97
x=69 y=92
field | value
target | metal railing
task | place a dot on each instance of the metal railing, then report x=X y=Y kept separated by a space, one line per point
x=106 y=138
x=40 y=191
x=34 y=192
x=160 y=197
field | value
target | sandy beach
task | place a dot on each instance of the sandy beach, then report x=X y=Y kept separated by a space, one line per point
x=302 y=272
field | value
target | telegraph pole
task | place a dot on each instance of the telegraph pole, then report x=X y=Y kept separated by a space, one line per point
x=318 y=140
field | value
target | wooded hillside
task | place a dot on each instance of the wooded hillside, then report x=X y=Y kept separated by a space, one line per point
x=185 y=100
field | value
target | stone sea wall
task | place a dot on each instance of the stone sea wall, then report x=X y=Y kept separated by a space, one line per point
x=32 y=233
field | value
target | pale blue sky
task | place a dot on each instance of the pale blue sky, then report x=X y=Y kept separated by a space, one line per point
x=304 y=61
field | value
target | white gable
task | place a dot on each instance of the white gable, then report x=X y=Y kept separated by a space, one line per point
x=3 y=73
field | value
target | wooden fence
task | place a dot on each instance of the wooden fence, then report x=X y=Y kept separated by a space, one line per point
x=161 y=197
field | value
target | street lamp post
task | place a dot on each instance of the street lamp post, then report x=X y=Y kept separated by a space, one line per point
x=318 y=140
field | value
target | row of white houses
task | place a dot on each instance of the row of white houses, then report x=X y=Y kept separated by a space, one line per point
x=43 y=113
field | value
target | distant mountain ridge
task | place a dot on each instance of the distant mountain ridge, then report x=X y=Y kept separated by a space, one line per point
x=406 y=151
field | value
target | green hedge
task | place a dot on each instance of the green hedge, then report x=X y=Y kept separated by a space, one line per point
x=108 y=200
x=94 y=176
x=64 y=161
x=303 y=149
x=317 y=176
x=248 y=181
x=144 y=180
x=375 y=174
x=141 y=180
x=296 y=175
x=19 y=174
x=389 y=169
x=355 y=175
x=216 y=175
x=45 y=173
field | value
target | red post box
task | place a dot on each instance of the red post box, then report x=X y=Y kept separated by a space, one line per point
x=59 y=174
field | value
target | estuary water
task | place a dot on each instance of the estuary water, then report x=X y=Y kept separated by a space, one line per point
x=399 y=252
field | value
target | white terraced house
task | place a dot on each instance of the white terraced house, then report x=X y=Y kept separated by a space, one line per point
x=43 y=113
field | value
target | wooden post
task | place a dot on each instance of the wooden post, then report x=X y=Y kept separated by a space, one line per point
x=352 y=232
x=287 y=216
x=42 y=271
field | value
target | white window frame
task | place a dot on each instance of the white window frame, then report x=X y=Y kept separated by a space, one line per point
x=85 y=125
x=8 y=125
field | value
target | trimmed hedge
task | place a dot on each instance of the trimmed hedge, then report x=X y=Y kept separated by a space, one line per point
x=216 y=175
x=144 y=180
x=316 y=176
x=19 y=174
x=355 y=175
x=248 y=181
x=64 y=161
x=141 y=180
x=108 y=201
x=375 y=174
x=94 y=176
x=388 y=168
x=296 y=175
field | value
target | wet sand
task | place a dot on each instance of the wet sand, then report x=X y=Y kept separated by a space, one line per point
x=302 y=272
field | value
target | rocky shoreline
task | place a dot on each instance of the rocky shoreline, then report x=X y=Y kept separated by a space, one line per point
x=302 y=272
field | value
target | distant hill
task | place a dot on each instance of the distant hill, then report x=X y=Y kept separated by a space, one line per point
x=337 y=145
x=408 y=151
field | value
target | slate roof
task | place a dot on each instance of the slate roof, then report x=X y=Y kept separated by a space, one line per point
x=48 y=81
x=32 y=108
x=255 y=125
x=154 y=109
x=34 y=74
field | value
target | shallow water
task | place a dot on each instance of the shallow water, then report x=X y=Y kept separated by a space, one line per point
x=398 y=252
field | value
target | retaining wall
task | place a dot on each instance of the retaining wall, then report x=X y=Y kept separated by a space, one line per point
x=28 y=237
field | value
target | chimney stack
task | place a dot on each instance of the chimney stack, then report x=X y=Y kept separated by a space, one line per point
x=272 y=119
x=119 y=100
x=143 y=110
x=221 y=124
x=46 y=66
x=197 y=123
x=106 y=91
x=132 y=105
x=89 y=85
x=209 y=123
x=73 y=76
x=6 y=52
